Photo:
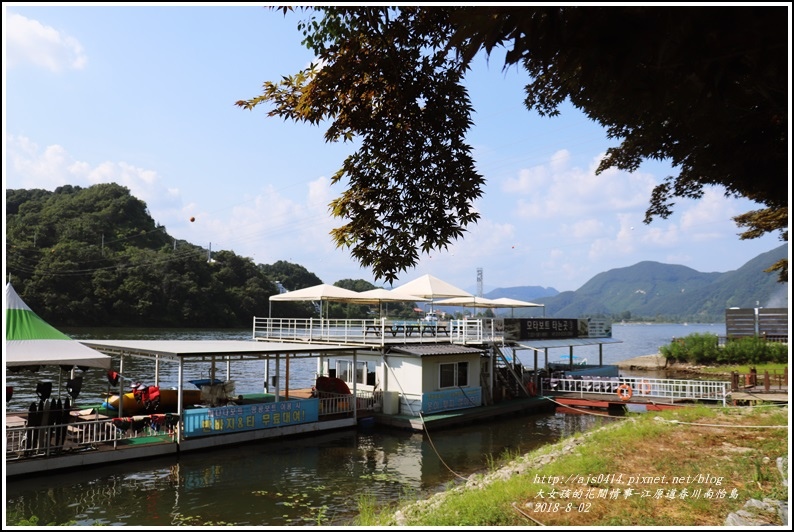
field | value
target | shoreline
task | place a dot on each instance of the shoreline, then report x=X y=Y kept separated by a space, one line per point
x=657 y=362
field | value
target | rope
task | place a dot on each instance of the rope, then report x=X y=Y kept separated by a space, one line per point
x=580 y=410
x=424 y=425
x=522 y=512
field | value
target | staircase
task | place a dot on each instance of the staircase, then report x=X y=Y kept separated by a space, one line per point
x=507 y=376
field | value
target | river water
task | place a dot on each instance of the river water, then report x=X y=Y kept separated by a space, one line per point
x=313 y=480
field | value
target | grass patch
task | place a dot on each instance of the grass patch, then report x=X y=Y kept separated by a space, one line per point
x=687 y=467
x=745 y=369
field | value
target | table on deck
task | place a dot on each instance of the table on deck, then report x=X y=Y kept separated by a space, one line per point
x=372 y=329
x=408 y=330
x=435 y=330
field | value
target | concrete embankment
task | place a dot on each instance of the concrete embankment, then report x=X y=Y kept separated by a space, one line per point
x=647 y=362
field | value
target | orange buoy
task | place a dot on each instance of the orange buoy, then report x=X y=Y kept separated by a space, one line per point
x=624 y=392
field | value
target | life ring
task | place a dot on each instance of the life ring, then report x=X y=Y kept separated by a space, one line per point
x=645 y=387
x=624 y=392
x=531 y=389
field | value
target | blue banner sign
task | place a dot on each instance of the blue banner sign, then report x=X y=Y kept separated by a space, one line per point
x=451 y=399
x=240 y=418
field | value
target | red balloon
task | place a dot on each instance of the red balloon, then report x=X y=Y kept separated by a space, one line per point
x=192 y=218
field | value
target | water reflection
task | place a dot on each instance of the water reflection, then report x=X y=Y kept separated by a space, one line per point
x=300 y=481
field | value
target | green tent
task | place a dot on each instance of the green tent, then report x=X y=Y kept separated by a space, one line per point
x=31 y=341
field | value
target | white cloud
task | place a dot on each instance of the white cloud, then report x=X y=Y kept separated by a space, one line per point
x=53 y=166
x=28 y=41
x=557 y=191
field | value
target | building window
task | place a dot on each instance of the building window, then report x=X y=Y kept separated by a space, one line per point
x=344 y=370
x=365 y=372
x=453 y=375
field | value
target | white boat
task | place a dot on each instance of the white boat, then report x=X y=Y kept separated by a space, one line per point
x=431 y=317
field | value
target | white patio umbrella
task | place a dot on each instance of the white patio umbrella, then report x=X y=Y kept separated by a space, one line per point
x=320 y=292
x=381 y=295
x=432 y=288
x=517 y=303
x=482 y=302
x=471 y=301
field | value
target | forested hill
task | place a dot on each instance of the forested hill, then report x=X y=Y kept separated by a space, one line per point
x=95 y=257
x=668 y=292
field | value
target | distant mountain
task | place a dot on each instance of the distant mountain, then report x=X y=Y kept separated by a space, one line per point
x=523 y=293
x=666 y=292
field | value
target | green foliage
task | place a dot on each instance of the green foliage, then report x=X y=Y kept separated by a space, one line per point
x=705 y=90
x=697 y=348
x=753 y=350
x=704 y=348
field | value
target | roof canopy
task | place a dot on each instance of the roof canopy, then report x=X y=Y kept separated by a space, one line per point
x=31 y=341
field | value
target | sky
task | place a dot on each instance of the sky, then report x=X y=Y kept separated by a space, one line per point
x=143 y=96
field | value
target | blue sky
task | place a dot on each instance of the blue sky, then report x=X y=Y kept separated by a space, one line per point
x=144 y=96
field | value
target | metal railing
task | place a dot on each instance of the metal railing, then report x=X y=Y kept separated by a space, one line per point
x=335 y=403
x=375 y=331
x=48 y=440
x=627 y=387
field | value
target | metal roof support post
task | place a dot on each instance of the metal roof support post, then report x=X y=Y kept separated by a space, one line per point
x=180 y=406
x=266 y=387
x=355 y=384
x=121 y=385
x=286 y=377
x=278 y=373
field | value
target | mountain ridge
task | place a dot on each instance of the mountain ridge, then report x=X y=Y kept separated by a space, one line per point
x=650 y=290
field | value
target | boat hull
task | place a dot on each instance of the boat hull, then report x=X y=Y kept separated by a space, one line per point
x=168 y=401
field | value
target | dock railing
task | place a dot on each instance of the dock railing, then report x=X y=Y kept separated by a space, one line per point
x=46 y=440
x=375 y=331
x=665 y=389
x=336 y=403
